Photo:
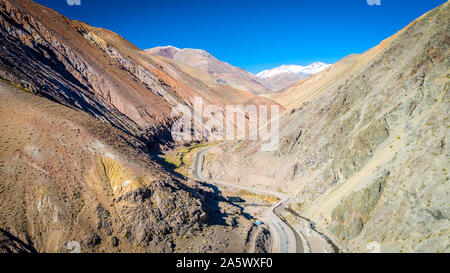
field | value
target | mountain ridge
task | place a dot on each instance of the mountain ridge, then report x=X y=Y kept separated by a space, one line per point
x=302 y=71
x=284 y=76
x=98 y=71
x=222 y=72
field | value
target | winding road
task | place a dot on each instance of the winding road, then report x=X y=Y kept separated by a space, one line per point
x=284 y=238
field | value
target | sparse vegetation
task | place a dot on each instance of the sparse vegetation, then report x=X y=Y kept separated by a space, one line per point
x=267 y=198
x=182 y=159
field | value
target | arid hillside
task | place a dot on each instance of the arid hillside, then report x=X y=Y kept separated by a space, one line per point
x=364 y=145
x=68 y=179
x=215 y=70
x=84 y=114
x=99 y=72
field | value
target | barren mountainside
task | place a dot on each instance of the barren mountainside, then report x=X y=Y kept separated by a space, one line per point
x=364 y=145
x=69 y=180
x=99 y=72
x=68 y=177
x=222 y=72
x=84 y=114
x=87 y=158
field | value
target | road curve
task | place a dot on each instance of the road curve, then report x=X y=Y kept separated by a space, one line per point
x=283 y=237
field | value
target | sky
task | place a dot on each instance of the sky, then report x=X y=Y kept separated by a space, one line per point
x=254 y=35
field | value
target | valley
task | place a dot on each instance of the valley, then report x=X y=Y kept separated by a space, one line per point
x=89 y=157
x=363 y=145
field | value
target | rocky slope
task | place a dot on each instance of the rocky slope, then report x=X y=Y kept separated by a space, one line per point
x=99 y=72
x=77 y=179
x=69 y=180
x=364 y=145
x=84 y=114
x=221 y=72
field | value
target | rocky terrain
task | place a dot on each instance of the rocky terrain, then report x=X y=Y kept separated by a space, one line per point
x=84 y=116
x=67 y=177
x=99 y=72
x=364 y=145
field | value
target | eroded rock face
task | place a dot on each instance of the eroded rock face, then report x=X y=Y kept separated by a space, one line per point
x=69 y=180
x=91 y=178
x=354 y=211
x=48 y=54
x=167 y=212
x=99 y=72
x=365 y=149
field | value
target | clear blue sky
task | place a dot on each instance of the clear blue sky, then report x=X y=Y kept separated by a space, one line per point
x=254 y=35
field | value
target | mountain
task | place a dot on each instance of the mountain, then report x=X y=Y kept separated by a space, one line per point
x=364 y=145
x=301 y=71
x=286 y=75
x=99 y=72
x=67 y=176
x=85 y=115
x=221 y=72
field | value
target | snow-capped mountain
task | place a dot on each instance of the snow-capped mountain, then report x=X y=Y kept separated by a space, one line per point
x=302 y=71
x=286 y=75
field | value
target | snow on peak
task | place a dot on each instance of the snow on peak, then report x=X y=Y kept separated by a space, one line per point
x=169 y=46
x=302 y=71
